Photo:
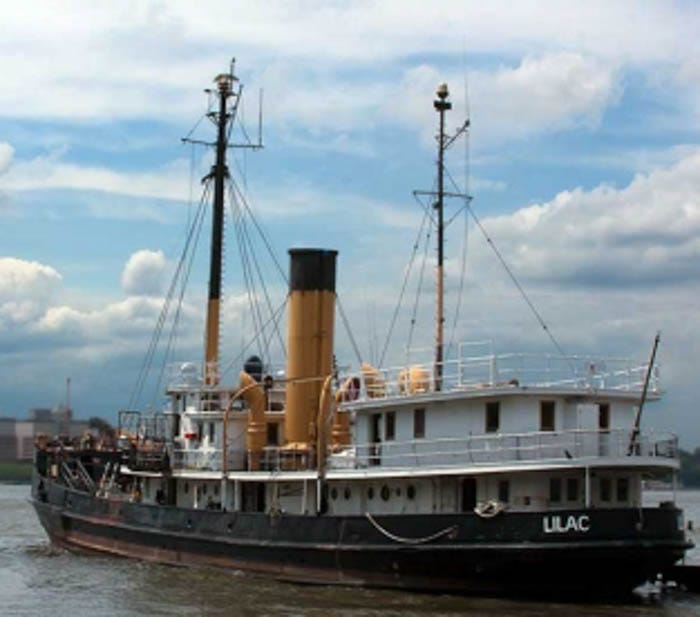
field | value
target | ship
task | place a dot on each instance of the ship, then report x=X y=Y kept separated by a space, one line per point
x=487 y=473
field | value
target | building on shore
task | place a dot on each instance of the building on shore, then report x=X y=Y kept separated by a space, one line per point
x=17 y=435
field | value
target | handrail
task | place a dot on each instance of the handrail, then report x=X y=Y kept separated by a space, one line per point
x=557 y=446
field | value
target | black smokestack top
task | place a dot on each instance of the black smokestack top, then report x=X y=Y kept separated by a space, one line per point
x=312 y=269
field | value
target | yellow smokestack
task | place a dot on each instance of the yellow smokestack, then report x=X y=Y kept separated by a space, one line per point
x=310 y=324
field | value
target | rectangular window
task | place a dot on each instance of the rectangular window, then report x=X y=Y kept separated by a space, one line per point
x=272 y=434
x=493 y=417
x=390 y=426
x=623 y=489
x=604 y=417
x=572 y=489
x=504 y=491
x=605 y=489
x=418 y=423
x=547 y=415
x=555 y=490
x=211 y=432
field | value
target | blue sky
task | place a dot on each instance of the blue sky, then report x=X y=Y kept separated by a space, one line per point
x=583 y=162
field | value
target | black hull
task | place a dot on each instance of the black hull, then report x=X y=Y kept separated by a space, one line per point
x=510 y=554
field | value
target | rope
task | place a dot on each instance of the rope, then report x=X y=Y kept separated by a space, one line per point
x=520 y=288
x=445 y=532
x=416 y=244
x=355 y=348
x=150 y=353
x=418 y=290
x=169 y=349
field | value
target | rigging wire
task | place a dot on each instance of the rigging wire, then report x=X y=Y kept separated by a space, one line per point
x=155 y=337
x=521 y=289
x=419 y=288
x=346 y=323
x=235 y=191
x=244 y=203
x=250 y=343
x=169 y=349
x=414 y=251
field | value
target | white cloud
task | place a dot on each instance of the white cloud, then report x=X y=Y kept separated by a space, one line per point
x=7 y=152
x=647 y=233
x=52 y=172
x=143 y=273
x=25 y=289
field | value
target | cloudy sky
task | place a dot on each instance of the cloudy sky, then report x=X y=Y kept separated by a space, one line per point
x=583 y=162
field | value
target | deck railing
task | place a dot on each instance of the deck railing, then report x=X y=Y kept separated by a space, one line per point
x=506 y=449
x=482 y=450
x=474 y=371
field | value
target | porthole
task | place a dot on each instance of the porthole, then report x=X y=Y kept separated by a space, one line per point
x=411 y=491
x=334 y=494
x=370 y=493
x=398 y=491
x=347 y=492
x=386 y=493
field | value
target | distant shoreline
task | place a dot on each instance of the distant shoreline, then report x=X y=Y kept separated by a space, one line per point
x=16 y=472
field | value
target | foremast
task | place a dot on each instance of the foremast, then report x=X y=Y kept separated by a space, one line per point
x=224 y=82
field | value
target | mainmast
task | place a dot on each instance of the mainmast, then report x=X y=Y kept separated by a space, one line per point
x=224 y=83
x=441 y=105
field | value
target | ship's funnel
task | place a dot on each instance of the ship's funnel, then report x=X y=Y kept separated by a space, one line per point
x=310 y=320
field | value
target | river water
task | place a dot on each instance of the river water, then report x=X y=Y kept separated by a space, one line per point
x=37 y=579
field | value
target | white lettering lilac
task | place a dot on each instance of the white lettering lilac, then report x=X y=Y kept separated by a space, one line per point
x=557 y=524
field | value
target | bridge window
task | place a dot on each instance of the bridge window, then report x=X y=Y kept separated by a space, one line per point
x=390 y=426
x=504 y=491
x=623 y=489
x=604 y=417
x=272 y=434
x=418 y=423
x=547 y=409
x=555 y=490
x=493 y=417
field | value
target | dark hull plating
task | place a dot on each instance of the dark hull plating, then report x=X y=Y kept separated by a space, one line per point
x=510 y=553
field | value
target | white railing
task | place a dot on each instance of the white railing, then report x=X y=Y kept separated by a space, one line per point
x=489 y=370
x=208 y=459
x=481 y=450
x=505 y=449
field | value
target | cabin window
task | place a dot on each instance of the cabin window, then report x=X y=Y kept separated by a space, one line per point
x=555 y=490
x=493 y=417
x=347 y=492
x=411 y=491
x=547 y=415
x=572 y=489
x=200 y=426
x=216 y=490
x=370 y=493
x=605 y=489
x=386 y=493
x=211 y=432
x=418 y=423
x=334 y=493
x=604 y=417
x=272 y=434
x=623 y=489
x=186 y=487
x=504 y=491
x=390 y=426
